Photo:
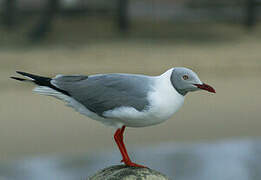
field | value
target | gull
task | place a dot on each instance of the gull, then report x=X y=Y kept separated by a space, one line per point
x=122 y=100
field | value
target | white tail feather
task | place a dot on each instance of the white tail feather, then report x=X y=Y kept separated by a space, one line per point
x=71 y=102
x=44 y=90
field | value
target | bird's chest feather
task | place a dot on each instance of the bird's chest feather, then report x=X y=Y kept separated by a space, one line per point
x=164 y=101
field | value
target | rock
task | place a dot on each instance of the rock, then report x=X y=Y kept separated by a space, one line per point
x=122 y=172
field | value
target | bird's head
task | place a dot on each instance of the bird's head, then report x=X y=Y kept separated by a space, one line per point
x=185 y=80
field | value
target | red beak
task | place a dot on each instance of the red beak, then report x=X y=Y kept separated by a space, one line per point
x=206 y=87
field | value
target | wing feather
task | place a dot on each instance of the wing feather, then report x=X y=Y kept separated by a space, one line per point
x=100 y=93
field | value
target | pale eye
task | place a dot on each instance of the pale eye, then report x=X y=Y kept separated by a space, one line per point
x=185 y=77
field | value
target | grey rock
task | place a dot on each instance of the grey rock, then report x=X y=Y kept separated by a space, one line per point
x=122 y=172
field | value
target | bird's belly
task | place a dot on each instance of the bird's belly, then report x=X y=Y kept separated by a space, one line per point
x=131 y=117
x=165 y=108
x=154 y=114
x=164 y=102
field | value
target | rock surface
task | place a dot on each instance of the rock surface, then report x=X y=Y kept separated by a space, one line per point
x=122 y=172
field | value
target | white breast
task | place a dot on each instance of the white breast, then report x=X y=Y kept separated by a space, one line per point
x=165 y=100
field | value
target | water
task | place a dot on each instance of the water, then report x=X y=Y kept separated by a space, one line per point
x=226 y=160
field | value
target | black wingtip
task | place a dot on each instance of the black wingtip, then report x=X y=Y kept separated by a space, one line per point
x=39 y=80
x=22 y=73
x=17 y=78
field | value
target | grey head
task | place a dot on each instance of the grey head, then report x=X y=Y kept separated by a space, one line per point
x=184 y=80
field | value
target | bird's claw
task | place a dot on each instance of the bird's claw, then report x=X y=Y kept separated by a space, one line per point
x=131 y=164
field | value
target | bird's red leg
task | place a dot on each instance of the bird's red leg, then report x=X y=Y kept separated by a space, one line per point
x=122 y=143
x=119 y=144
x=118 y=136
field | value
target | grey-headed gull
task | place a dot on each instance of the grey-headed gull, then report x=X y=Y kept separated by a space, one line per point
x=122 y=100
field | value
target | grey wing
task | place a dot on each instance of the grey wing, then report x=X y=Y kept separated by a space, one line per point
x=100 y=93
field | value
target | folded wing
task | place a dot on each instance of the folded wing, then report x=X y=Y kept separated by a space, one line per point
x=100 y=93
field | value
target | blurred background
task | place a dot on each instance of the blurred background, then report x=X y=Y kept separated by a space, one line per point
x=213 y=136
